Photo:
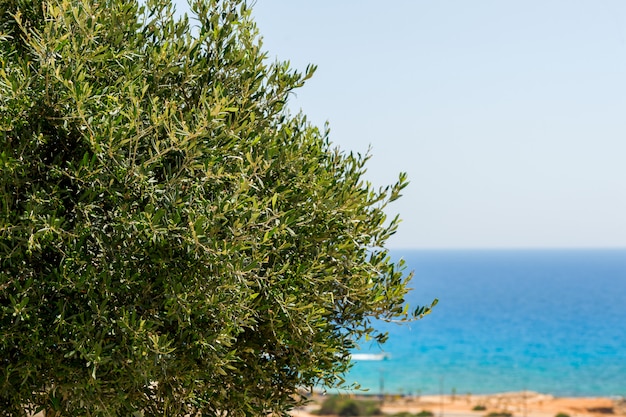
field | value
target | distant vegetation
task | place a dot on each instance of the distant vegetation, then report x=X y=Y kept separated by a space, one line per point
x=344 y=406
x=423 y=413
x=340 y=405
x=500 y=414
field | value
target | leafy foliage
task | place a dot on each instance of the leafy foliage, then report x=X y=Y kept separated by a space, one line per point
x=172 y=241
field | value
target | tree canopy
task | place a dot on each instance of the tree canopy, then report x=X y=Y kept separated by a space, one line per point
x=172 y=240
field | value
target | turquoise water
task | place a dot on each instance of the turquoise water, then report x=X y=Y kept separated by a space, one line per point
x=548 y=321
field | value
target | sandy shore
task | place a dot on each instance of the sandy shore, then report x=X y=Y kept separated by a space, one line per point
x=519 y=404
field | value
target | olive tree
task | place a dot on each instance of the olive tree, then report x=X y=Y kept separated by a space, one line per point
x=172 y=240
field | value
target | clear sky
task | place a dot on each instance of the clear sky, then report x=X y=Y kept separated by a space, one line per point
x=508 y=116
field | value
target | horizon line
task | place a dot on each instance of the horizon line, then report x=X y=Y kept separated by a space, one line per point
x=504 y=248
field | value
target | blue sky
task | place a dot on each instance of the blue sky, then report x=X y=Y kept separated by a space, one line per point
x=508 y=116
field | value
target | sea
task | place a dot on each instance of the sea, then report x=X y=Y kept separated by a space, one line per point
x=550 y=321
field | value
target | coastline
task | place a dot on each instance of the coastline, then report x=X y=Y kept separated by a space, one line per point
x=518 y=404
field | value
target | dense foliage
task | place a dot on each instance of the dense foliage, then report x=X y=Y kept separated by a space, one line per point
x=172 y=240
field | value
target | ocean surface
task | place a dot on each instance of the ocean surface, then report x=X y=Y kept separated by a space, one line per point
x=552 y=321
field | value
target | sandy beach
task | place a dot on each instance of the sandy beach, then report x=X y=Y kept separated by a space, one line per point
x=519 y=404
